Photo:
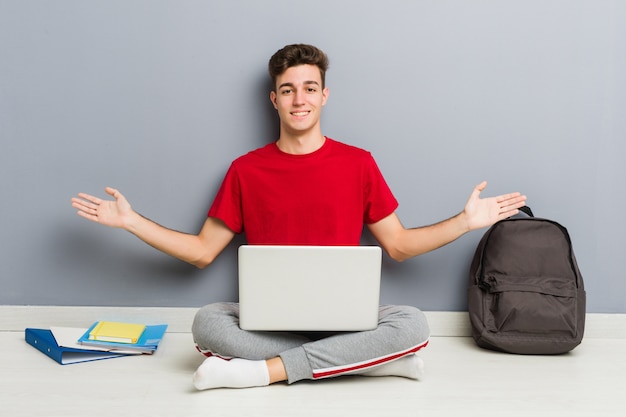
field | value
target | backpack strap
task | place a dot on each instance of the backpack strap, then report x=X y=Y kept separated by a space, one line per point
x=527 y=210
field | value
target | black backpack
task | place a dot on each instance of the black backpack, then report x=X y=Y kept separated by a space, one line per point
x=526 y=292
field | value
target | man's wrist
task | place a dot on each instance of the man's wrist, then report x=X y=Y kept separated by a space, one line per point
x=132 y=221
x=463 y=222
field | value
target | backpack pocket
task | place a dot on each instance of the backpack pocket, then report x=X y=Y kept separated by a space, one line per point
x=530 y=305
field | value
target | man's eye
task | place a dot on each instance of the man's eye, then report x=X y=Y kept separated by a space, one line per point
x=311 y=90
x=284 y=92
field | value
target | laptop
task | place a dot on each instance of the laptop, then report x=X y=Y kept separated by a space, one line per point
x=309 y=288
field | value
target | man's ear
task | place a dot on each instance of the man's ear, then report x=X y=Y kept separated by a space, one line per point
x=273 y=99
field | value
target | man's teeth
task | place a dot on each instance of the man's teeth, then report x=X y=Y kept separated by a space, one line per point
x=300 y=113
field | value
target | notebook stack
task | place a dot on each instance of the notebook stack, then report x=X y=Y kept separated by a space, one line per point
x=103 y=340
x=124 y=336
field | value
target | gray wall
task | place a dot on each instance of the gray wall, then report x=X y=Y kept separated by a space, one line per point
x=157 y=97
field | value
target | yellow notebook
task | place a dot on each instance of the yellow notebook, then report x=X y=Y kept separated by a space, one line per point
x=110 y=331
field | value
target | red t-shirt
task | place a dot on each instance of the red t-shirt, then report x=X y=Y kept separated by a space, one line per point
x=321 y=198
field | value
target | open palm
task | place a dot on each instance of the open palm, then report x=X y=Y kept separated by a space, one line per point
x=107 y=212
x=483 y=212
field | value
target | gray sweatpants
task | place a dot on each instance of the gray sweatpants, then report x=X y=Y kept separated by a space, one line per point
x=401 y=330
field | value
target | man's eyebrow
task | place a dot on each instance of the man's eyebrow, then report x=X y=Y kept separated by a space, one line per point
x=291 y=84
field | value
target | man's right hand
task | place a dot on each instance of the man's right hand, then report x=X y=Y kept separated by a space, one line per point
x=199 y=250
x=112 y=213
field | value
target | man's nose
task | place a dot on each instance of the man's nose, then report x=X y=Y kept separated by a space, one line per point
x=298 y=98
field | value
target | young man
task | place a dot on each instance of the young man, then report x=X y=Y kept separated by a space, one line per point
x=303 y=189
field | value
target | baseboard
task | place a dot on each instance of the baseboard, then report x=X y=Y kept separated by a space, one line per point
x=14 y=318
x=179 y=319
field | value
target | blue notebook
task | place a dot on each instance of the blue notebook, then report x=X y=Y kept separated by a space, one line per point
x=147 y=343
x=44 y=341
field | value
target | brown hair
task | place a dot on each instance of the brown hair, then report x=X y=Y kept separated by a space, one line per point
x=294 y=55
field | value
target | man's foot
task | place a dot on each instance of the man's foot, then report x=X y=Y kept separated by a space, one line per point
x=410 y=366
x=235 y=373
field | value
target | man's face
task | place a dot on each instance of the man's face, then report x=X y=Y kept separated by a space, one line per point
x=299 y=98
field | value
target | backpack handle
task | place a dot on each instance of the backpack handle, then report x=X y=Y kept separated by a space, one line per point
x=527 y=210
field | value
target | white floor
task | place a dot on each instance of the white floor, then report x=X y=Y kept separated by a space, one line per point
x=460 y=379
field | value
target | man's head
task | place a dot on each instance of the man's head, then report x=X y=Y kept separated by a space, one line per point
x=295 y=55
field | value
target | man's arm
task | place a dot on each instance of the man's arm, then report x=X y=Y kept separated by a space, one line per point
x=401 y=243
x=199 y=250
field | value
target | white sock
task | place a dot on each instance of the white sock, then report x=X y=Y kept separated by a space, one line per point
x=235 y=373
x=410 y=366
